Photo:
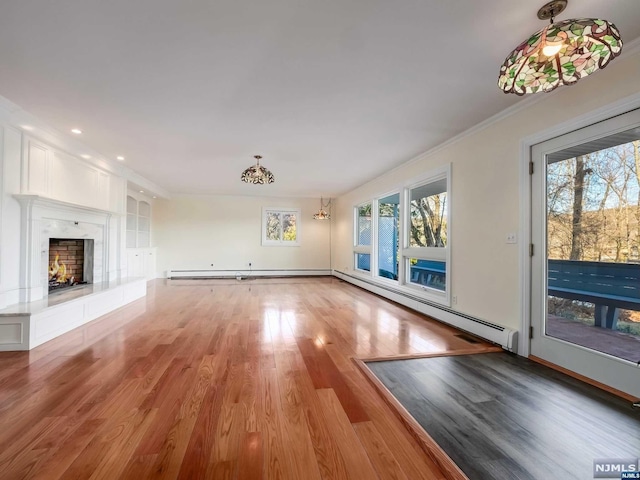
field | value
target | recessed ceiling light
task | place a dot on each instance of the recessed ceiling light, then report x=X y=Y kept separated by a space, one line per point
x=77 y=131
x=28 y=128
x=141 y=191
x=87 y=157
x=154 y=197
x=120 y=157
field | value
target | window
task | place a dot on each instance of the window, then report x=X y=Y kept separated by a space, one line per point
x=388 y=237
x=280 y=227
x=428 y=218
x=427 y=226
x=408 y=239
x=363 y=236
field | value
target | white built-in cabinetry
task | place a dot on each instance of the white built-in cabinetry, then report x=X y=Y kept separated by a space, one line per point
x=141 y=262
x=62 y=196
x=132 y=222
x=48 y=193
x=54 y=174
x=138 y=222
x=144 y=224
x=141 y=257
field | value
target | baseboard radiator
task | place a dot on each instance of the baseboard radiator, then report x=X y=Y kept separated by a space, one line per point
x=507 y=338
x=245 y=273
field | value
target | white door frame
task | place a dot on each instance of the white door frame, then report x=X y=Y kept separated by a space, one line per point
x=603 y=113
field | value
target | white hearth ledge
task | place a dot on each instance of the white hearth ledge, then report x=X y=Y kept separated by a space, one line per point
x=24 y=326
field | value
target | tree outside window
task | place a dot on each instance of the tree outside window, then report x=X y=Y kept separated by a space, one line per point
x=280 y=227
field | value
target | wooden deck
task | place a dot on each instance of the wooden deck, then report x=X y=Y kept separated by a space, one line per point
x=618 y=344
x=219 y=379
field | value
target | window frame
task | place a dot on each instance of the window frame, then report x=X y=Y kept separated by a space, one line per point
x=281 y=242
x=375 y=265
x=357 y=247
x=440 y=254
x=406 y=253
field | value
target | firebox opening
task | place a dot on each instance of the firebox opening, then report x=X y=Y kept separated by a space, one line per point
x=70 y=262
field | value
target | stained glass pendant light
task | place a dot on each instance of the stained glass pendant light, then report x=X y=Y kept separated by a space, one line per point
x=257 y=174
x=322 y=214
x=560 y=54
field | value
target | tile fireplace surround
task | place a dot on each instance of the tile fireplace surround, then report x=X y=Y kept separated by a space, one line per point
x=40 y=317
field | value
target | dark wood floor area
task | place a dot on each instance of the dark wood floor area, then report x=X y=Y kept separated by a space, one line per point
x=218 y=379
x=499 y=416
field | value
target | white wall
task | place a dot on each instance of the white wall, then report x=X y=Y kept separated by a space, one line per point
x=10 y=216
x=486 y=192
x=196 y=232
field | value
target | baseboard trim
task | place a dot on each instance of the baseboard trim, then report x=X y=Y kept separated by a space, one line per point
x=203 y=274
x=582 y=378
x=497 y=334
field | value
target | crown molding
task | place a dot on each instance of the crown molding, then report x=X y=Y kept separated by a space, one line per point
x=629 y=49
x=28 y=124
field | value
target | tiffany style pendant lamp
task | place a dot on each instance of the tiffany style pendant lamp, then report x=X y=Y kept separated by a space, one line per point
x=560 y=54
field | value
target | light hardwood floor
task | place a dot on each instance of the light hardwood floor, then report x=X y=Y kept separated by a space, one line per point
x=218 y=379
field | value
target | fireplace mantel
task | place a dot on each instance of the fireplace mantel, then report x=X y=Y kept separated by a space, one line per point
x=29 y=201
x=43 y=218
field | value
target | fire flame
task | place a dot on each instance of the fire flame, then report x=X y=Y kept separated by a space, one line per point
x=58 y=271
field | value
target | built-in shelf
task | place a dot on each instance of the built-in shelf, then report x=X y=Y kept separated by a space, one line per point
x=138 y=223
x=144 y=224
x=132 y=222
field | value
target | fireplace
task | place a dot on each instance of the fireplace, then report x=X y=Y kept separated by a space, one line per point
x=44 y=225
x=70 y=262
x=45 y=219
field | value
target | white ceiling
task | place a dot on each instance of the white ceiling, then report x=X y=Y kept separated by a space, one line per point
x=331 y=93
